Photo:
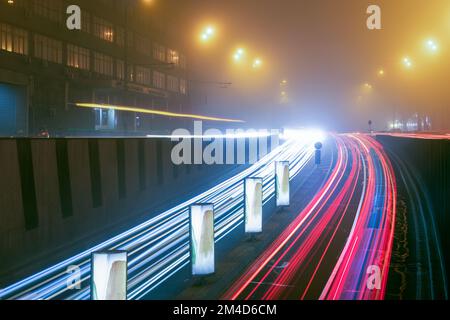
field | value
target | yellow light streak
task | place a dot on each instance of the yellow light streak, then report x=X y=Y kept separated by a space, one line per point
x=154 y=112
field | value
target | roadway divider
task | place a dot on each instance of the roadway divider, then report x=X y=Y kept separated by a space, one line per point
x=282 y=188
x=109 y=275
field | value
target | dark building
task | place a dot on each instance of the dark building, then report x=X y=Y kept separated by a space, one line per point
x=127 y=53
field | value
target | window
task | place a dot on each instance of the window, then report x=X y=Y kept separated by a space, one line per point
x=142 y=44
x=183 y=61
x=49 y=9
x=143 y=76
x=172 y=56
x=105 y=119
x=85 y=22
x=130 y=71
x=159 y=52
x=103 y=29
x=183 y=86
x=13 y=39
x=159 y=80
x=77 y=57
x=120 y=36
x=130 y=39
x=103 y=64
x=172 y=83
x=120 y=70
x=47 y=49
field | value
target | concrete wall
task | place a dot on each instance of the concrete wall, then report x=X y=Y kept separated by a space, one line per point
x=59 y=196
x=430 y=162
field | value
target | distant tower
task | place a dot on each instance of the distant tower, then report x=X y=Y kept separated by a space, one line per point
x=370 y=125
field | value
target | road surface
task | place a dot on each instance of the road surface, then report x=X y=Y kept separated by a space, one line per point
x=342 y=238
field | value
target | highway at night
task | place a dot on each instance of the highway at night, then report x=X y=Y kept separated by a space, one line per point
x=331 y=241
x=224 y=159
x=346 y=228
x=159 y=248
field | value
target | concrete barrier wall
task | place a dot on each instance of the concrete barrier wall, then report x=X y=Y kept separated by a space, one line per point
x=59 y=196
x=430 y=162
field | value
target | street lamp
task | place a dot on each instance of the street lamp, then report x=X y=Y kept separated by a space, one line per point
x=367 y=86
x=407 y=62
x=239 y=54
x=257 y=63
x=431 y=46
x=207 y=33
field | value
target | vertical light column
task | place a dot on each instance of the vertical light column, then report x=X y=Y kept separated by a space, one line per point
x=253 y=195
x=109 y=275
x=282 y=191
x=201 y=223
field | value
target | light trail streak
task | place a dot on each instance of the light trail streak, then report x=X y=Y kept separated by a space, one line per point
x=154 y=112
x=320 y=260
x=372 y=241
x=159 y=247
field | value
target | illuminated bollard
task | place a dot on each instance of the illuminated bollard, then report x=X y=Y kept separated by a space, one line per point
x=282 y=190
x=201 y=225
x=253 y=195
x=109 y=275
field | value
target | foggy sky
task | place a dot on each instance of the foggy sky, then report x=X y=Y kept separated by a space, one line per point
x=325 y=51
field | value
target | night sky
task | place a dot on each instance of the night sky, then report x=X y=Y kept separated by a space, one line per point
x=325 y=51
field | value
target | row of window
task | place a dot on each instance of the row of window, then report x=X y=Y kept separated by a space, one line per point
x=15 y=40
x=105 y=30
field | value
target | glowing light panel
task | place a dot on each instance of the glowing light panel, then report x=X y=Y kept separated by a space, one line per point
x=282 y=183
x=253 y=193
x=109 y=275
x=202 y=239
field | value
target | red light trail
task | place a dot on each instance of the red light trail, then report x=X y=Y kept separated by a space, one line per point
x=346 y=230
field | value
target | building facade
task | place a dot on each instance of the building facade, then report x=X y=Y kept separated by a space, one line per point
x=127 y=54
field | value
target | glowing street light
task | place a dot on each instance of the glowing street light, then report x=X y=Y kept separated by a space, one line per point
x=407 y=62
x=257 y=63
x=381 y=73
x=207 y=33
x=239 y=54
x=367 y=86
x=431 y=46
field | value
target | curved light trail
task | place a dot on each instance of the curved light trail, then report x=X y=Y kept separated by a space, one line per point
x=159 y=248
x=346 y=230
